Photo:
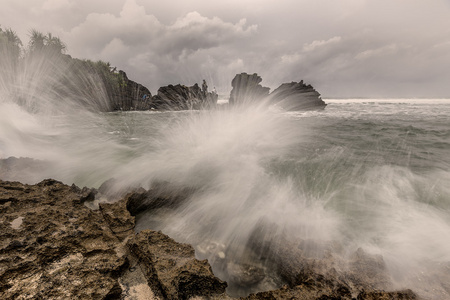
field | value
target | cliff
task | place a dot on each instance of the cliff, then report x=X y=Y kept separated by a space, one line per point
x=128 y=94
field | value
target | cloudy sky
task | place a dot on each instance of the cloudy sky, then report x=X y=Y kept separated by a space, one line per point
x=344 y=48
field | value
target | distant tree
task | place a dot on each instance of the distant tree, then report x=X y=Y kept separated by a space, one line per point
x=47 y=43
x=37 y=41
x=10 y=44
x=114 y=81
x=10 y=52
x=54 y=44
x=48 y=69
x=12 y=37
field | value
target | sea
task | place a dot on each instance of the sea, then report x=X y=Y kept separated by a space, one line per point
x=370 y=174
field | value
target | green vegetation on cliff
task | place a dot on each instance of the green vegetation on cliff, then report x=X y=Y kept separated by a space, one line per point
x=43 y=70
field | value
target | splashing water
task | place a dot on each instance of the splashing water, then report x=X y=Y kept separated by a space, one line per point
x=357 y=173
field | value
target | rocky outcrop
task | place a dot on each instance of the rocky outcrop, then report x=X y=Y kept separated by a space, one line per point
x=173 y=271
x=289 y=96
x=52 y=246
x=318 y=270
x=324 y=291
x=181 y=97
x=134 y=96
x=247 y=89
x=130 y=95
x=296 y=96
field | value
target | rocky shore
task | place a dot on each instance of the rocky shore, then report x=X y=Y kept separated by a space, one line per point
x=56 y=243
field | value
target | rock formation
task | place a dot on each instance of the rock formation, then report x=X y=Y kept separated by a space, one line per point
x=312 y=266
x=289 y=96
x=172 y=266
x=181 y=97
x=296 y=96
x=247 y=89
x=52 y=246
x=130 y=95
x=134 y=96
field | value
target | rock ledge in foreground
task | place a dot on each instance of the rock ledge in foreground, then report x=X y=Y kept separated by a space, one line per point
x=175 y=272
x=52 y=246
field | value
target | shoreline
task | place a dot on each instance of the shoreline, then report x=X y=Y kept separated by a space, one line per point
x=54 y=246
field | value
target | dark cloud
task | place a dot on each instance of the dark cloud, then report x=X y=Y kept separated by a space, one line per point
x=344 y=48
x=194 y=32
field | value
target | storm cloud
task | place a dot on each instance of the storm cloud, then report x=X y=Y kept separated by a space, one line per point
x=348 y=48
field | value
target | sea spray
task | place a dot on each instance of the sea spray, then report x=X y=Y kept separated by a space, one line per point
x=322 y=183
x=404 y=217
x=229 y=158
x=45 y=100
x=360 y=174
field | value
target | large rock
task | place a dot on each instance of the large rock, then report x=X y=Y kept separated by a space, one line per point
x=247 y=89
x=305 y=292
x=319 y=269
x=171 y=268
x=181 y=97
x=52 y=246
x=289 y=96
x=296 y=96
x=130 y=95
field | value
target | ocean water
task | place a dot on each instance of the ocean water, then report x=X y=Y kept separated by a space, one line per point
x=368 y=173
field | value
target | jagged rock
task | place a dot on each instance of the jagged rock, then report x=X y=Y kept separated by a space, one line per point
x=381 y=295
x=160 y=195
x=113 y=190
x=119 y=219
x=181 y=97
x=130 y=95
x=314 y=273
x=177 y=97
x=247 y=89
x=296 y=96
x=305 y=292
x=171 y=268
x=288 y=96
x=367 y=272
x=52 y=246
x=245 y=274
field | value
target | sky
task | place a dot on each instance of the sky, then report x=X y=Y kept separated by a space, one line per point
x=343 y=48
